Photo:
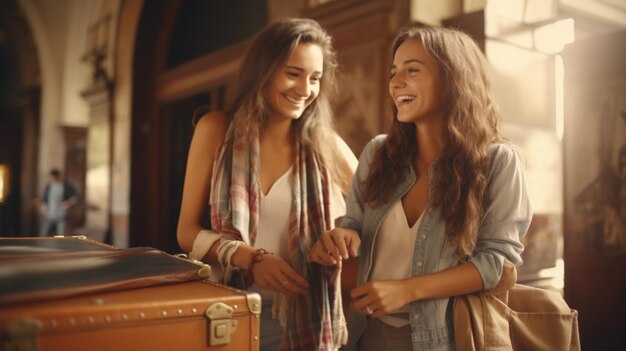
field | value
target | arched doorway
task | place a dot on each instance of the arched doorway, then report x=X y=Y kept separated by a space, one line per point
x=186 y=58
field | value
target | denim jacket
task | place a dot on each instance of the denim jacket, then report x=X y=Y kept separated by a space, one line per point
x=506 y=219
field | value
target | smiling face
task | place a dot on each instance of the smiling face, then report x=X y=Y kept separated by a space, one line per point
x=415 y=85
x=297 y=83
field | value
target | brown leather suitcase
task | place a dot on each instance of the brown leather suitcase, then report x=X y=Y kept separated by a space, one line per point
x=43 y=269
x=197 y=315
x=73 y=293
x=19 y=247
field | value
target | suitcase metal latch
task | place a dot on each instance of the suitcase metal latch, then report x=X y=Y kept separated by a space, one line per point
x=21 y=334
x=221 y=324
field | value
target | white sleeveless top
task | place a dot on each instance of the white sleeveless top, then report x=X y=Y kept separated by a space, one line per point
x=393 y=255
x=274 y=216
x=274 y=212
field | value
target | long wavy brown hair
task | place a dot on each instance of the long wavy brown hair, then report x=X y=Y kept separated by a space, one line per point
x=268 y=52
x=471 y=125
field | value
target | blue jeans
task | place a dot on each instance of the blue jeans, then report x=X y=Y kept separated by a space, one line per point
x=271 y=331
x=48 y=223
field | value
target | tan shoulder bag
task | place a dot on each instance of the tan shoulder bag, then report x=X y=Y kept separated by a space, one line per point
x=514 y=317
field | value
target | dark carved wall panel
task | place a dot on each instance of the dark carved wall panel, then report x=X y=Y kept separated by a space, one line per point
x=595 y=189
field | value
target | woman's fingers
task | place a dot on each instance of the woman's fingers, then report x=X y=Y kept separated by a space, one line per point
x=330 y=247
x=295 y=279
x=288 y=286
x=334 y=246
x=354 y=244
x=364 y=305
x=342 y=243
x=380 y=297
x=276 y=274
x=339 y=239
x=319 y=255
x=284 y=285
x=347 y=241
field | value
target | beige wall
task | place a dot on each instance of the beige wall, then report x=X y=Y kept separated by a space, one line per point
x=433 y=12
x=59 y=29
x=48 y=22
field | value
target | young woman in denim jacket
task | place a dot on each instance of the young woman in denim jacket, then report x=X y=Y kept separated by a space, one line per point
x=436 y=206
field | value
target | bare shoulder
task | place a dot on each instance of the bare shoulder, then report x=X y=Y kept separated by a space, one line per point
x=213 y=124
x=208 y=135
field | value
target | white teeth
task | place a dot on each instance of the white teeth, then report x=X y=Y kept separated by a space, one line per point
x=292 y=100
x=405 y=98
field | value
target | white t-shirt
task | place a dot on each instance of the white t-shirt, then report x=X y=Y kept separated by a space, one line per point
x=55 y=198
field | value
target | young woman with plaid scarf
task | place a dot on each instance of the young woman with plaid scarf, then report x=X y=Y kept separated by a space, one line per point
x=274 y=173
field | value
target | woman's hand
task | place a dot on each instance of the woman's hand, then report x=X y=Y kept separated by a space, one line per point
x=276 y=274
x=335 y=245
x=381 y=297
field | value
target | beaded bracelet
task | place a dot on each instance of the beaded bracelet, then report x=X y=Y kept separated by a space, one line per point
x=257 y=257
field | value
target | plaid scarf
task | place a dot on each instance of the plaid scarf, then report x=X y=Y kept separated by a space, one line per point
x=314 y=320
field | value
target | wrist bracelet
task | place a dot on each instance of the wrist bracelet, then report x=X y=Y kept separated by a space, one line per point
x=257 y=257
